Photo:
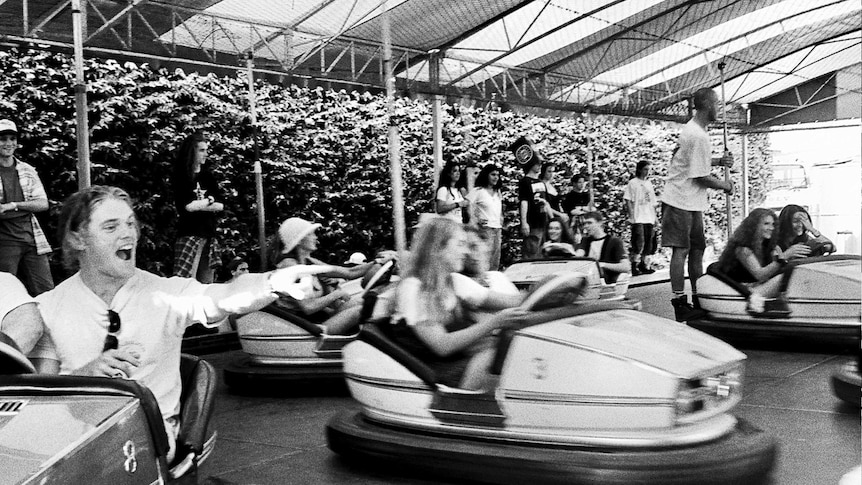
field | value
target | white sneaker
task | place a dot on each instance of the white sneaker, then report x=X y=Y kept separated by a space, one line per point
x=756 y=303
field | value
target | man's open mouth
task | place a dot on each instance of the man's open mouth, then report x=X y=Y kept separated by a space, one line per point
x=125 y=254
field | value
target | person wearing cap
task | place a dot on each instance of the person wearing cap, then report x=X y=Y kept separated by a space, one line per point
x=112 y=319
x=324 y=303
x=355 y=259
x=24 y=248
x=532 y=206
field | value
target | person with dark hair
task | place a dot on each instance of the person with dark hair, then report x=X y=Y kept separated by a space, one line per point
x=576 y=202
x=487 y=211
x=559 y=240
x=685 y=199
x=237 y=266
x=608 y=250
x=112 y=319
x=641 y=203
x=197 y=196
x=546 y=175
x=531 y=199
x=448 y=200
x=23 y=246
x=753 y=258
x=794 y=227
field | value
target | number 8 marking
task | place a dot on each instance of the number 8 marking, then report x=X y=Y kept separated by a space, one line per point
x=131 y=463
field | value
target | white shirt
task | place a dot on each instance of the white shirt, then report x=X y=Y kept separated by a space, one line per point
x=451 y=195
x=693 y=159
x=642 y=194
x=154 y=313
x=12 y=295
x=489 y=206
x=412 y=305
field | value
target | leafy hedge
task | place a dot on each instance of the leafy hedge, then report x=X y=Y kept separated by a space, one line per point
x=324 y=152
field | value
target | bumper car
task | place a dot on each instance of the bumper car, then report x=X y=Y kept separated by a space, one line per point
x=587 y=393
x=823 y=294
x=281 y=347
x=94 y=430
x=847 y=382
x=525 y=274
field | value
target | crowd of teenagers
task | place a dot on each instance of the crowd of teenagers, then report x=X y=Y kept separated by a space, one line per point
x=112 y=319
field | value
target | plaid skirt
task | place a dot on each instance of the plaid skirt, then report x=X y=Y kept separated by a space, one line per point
x=188 y=252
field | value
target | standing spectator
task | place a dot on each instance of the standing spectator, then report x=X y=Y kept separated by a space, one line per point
x=237 y=266
x=467 y=186
x=576 y=203
x=448 y=200
x=197 y=196
x=531 y=199
x=685 y=199
x=487 y=211
x=604 y=248
x=551 y=194
x=23 y=246
x=641 y=203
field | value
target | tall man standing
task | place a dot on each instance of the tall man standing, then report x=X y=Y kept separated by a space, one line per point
x=685 y=199
x=23 y=246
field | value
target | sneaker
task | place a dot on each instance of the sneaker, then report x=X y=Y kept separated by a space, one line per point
x=774 y=308
x=684 y=311
x=644 y=269
x=636 y=271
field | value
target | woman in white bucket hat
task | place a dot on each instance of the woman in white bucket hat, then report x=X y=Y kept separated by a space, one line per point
x=324 y=303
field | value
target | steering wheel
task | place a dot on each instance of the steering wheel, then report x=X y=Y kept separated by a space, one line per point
x=12 y=361
x=559 y=290
x=379 y=277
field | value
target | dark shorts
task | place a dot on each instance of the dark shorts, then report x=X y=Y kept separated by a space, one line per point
x=642 y=240
x=681 y=228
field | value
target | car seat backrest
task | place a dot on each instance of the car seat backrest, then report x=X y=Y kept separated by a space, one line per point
x=274 y=309
x=720 y=275
x=197 y=400
x=374 y=333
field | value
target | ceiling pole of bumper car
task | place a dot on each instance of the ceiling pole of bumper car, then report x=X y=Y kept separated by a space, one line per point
x=436 y=122
x=394 y=144
x=82 y=128
x=728 y=207
x=258 y=170
x=745 y=162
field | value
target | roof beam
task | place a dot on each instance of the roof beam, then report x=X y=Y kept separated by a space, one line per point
x=464 y=35
x=116 y=18
x=53 y=13
x=714 y=47
x=532 y=41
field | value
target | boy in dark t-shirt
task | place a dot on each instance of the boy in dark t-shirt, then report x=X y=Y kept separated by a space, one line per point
x=604 y=248
x=531 y=200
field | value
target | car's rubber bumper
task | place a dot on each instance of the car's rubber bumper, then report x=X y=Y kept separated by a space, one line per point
x=243 y=374
x=778 y=334
x=847 y=384
x=744 y=456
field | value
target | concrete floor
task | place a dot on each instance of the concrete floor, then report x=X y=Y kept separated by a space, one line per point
x=275 y=440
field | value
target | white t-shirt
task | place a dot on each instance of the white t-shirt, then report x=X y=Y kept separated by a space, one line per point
x=12 y=295
x=642 y=194
x=489 y=206
x=451 y=195
x=154 y=313
x=411 y=304
x=693 y=159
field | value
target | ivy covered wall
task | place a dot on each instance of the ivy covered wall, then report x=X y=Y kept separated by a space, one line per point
x=324 y=152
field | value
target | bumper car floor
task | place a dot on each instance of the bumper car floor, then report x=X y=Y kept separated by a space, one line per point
x=282 y=439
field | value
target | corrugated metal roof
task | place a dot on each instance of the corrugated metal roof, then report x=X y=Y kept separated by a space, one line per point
x=635 y=57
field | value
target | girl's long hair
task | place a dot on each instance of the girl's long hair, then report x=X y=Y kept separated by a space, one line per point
x=482 y=180
x=184 y=165
x=425 y=262
x=566 y=235
x=745 y=236
x=786 y=236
